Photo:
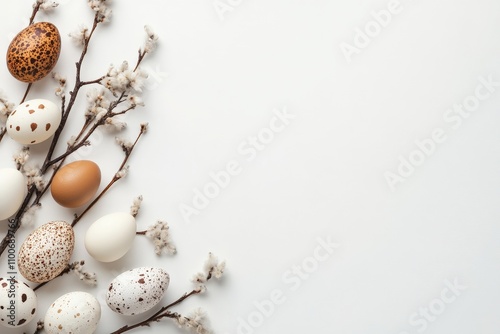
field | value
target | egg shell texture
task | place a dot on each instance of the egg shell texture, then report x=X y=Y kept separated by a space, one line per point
x=75 y=312
x=46 y=251
x=33 y=121
x=12 y=191
x=137 y=290
x=76 y=183
x=17 y=296
x=34 y=52
x=110 y=237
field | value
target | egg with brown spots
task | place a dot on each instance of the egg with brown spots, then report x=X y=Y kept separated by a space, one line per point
x=33 y=121
x=17 y=303
x=34 y=52
x=137 y=290
x=75 y=312
x=46 y=251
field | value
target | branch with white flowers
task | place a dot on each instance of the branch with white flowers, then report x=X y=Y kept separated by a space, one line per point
x=117 y=94
x=77 y=268
x=196 y=321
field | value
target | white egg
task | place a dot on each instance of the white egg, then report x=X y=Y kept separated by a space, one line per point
x=75 y=312
x=33 y=121
x=110 y=237
x=17 y=302
x=137 y=291
x=12 y=191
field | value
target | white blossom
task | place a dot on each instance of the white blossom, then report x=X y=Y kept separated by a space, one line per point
x=122 y=79
x=80 y=35
x=86 y=277
x=135 y=100
x=21 y=157
x=123 y=172
x=136 y=206
x=160 y=235
x=124 y=144
x=195 y=321
x=214 y=267
x=101 y=9
x=113 y=124
x=61 y=89
x=71 y=141
x=151 y=40
x=28 y=218
x=47 y=6
x=144 y=127
x=6 y=108
x=39 y=325
x=34 y=176
x=211 y=268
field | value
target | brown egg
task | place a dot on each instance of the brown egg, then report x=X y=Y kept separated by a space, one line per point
x=33 y=53
x=76 y=183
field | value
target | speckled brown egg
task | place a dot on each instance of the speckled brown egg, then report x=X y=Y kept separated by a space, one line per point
x=46 y=251
x=34 y=52
x=76 y=183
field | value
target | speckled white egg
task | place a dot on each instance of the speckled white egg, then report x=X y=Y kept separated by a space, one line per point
x=75 y=312
x=12 y=191
x=46 y=251
x=17 y=303
x=110 y=237
x=137 y=290
x=33 y=121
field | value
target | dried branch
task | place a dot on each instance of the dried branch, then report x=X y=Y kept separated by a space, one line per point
x=115 y=178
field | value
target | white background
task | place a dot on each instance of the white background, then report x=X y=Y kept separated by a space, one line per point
x=214 y=82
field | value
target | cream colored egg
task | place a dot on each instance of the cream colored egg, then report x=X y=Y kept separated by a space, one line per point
x=12 y=191
x=75 y=312
x=33 y=121
x=110 y=237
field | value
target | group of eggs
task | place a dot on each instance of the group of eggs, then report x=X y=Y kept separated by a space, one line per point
x=46 y=252
x=130 y=293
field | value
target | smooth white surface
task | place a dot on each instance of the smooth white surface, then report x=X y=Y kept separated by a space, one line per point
x=215 y=83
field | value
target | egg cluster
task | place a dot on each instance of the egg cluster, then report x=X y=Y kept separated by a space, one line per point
x=47 y=251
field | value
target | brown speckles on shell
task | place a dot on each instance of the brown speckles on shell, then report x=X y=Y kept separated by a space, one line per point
x=137 y=290
x=34 y=52
x=33 y=126
x=46 y=252
x=47 y=127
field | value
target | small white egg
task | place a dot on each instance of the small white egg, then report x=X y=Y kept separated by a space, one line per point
x=17 y=302
x=75 y=312
x=12 y=191
x=137 y=291
x=110 y=237
x=33 y=121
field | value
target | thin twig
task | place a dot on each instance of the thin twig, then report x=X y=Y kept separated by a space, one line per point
x=26 y=93
x=3 y=131
x=162 y=313
x=36 y=8
x=113 y=180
